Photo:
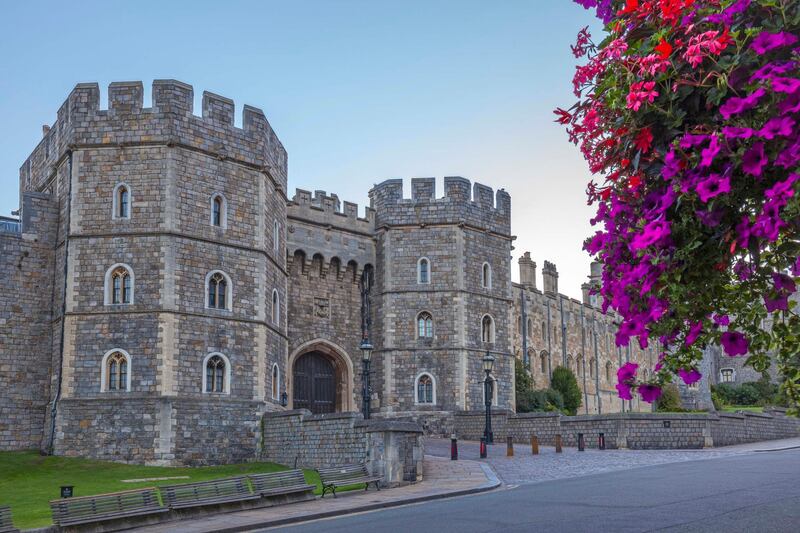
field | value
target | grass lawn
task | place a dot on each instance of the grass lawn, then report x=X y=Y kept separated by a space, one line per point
x=29 y=481
x=750 y=408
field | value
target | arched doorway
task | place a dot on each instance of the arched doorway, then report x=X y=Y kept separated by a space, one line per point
x=314 y=379
x=320 y=378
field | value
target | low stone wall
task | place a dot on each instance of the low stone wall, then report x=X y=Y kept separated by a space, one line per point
x=393 y=448
x=637 y=431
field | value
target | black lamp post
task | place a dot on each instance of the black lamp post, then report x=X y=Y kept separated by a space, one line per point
x=366 y=355
x=488 y=365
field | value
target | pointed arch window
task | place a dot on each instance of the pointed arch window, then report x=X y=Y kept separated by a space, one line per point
x=608 y=372
x=423 y=271
x=544 y=331
x=119 y=285
x=218 y=290
x=487 y=329
x=544 y=363
x=276 y=307
x=122 y=201
x=486 y=276
x=276 y=237
x=216 y=374
x=219 y=211
x=592 y=362
x=276 y=382
x=425 y=390
x=529 y=329
x=115 y=372
x=424 y=325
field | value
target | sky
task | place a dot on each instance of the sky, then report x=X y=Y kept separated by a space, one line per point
x=357 y=91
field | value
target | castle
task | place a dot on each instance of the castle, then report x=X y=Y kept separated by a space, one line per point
x=161 y=291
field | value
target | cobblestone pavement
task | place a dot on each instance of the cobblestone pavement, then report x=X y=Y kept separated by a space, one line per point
x=525 y=468
x=442 y=478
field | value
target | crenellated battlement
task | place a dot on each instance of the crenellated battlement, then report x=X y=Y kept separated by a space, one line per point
x=463 y=202
x=170 y=120
x=326 y=209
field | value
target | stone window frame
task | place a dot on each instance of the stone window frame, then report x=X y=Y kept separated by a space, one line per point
x=432 y=326
x=226 y=381
x=104 y=370
x=276 y=381
x=492 y=329
x=276 y=237
x=486 y=275
x=592 y=363
x=228 y=292
x=416 y=388
x=732 y=375
x=115 y=202
x=543 y=361
x=276 y=307
x=223 y=211
x=108 y=294
x=609 y=372
x=419 y=271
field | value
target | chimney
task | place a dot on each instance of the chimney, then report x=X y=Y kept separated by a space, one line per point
x=527 y=271
x=595 y=279
x=550 y=278
x=585 y=290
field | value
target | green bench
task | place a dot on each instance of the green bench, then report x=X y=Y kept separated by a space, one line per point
x=103 y=507
x=338 y=476
x=213 y=492
x=280 y=483
x=6 y=526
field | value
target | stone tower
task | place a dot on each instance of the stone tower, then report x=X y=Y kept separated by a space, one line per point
x=169 y=332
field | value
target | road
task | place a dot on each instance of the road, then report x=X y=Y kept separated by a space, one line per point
x=748 y=493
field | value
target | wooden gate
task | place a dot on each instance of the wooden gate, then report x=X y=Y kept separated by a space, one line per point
x=314 y=383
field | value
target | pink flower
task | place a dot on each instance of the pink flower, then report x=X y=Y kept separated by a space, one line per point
x=690 y=376
x=624 y=391
x=754 y=159
x=708 y=154
x=734 y=343
x=767 y=41
x=777 y=127
x=627 y=372
x=722 y=320
x=651 y=234
x=786 y=85
x=732 y=132
x=649 y=393
x=712 y=186
x=735 y=105
x=694 y=332
x=782 y=190
x=643 y=91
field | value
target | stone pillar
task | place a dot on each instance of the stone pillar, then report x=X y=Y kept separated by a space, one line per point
x=550 y=278
x=585 y=291
x=395 y=450
x=527 y=271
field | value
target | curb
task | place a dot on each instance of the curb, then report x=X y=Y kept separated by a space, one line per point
x=493 y=483
x=778 y=449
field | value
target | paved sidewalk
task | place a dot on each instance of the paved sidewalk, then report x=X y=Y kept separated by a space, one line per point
x=524 y=468
x=442 y=479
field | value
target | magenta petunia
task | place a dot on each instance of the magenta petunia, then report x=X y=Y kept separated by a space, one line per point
x=782 y=190
x=624 y=391
x=790 y=157
x=690 y=140
x=776 y=302
x=694 y=332
x=708 y=154
x=627 y=372
x=777 y=127
x=722 y=320
x=651 y=234
x=767 y=41
x=672 y=165
x=754 y=159
x=712 y=186
x=734 y=343
x=736 y=105
x=649 y=393
x=690 y=376
x=711 y=219
x=786 y=85
x=732 y=132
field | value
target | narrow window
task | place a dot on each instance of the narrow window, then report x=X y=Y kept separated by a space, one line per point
x=726 y=375
x=608 y=372
x=591 y=368
x=487 y=329
x=116 y=372
x=423 y=271
x=121 y=287
x=486 y=276
x=217 y=291
x=215 y=374
x=216 y=212
x=425 y=389
x=276 y=237
x=275 y=382
x=425 y=326
x=544 y=363
x=123 y=202
x=276 y=307
x=529 y=330
x=544 y=331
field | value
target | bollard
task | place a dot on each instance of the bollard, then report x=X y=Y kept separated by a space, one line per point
x=581 y=446
x=558 y=443
x=453 y=449
x=534 y=445
x=509 y=446
x=601 y=441
x=483 y=447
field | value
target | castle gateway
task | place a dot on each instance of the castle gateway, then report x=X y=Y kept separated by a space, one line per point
x=161 y=291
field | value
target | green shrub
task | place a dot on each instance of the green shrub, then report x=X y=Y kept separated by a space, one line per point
x=545 y=400
x=717 y=400
x=564 y=381
x=670 y=400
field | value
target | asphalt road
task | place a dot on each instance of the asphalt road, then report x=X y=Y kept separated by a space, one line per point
x=753 y=493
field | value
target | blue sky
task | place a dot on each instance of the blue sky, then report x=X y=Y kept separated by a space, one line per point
x=358 y=91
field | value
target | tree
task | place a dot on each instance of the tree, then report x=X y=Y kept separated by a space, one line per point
x=566 y=384
x=530 y=400
x=670 y=400
x=687 y=114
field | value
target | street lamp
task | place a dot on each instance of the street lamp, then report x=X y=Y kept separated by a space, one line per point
x=366 y=355
x=488 y=365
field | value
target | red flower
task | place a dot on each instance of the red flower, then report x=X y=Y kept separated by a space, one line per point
x=643 y=140
x=630 y=7
x=563 y=116
x=664 y=49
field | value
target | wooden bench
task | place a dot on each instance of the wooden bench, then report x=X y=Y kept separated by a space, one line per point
x=338 y=476
x=207 y=493
x=102 y=507
x=6 y=526
x=278 y=483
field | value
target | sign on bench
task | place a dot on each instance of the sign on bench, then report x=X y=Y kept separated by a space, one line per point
x=6 y=526
x=102 y=507
x=338 y=476
x=207 y=493
x=279 y=483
